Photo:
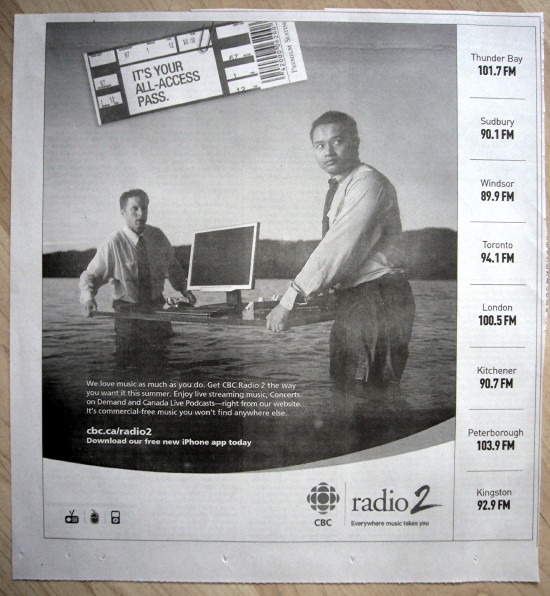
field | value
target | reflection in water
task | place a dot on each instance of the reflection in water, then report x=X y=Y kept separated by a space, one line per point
x=144 y=358
x=315 y=420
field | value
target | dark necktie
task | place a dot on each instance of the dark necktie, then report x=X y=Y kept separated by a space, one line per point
x=144 y=272
x=332 y=186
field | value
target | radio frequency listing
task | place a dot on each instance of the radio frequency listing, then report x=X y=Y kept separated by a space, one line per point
x=494 y=134
x=498 y=195
x=497 y=257
x=496 y=445
x=494 y=505
x=496 y=70
x=498 y=320
x=496 y=382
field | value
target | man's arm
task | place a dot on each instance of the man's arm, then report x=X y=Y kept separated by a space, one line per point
x=278 y=319
x=176 y=275
x=346 y=245
x=348 y=242
x=93 y=277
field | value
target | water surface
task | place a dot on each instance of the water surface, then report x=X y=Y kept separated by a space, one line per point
x=329 y=420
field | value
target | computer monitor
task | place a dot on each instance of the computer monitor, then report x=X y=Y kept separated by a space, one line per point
x=222 y=259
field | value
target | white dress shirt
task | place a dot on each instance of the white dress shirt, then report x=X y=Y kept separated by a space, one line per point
x=116 y=262
x=364 y=223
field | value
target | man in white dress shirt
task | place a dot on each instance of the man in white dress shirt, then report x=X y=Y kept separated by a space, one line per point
x=135 y=261
x=361 y=224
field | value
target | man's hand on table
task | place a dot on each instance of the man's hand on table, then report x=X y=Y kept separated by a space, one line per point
x=189 y=296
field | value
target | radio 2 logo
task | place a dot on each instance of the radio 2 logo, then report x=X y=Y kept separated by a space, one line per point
x=389 y=502
x=324 y=498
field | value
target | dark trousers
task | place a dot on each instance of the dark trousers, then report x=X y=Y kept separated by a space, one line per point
x=136 y=332
x=372 y=329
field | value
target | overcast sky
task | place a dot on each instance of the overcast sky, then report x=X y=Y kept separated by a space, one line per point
x=248 y=157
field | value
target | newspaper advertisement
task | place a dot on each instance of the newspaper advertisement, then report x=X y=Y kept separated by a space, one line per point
x=277 y=296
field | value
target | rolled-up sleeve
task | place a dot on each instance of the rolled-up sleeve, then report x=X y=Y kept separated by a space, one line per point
x=96 y=274
x=351 y=236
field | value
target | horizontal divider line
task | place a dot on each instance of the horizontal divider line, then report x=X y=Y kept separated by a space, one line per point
x=494 y=470
x=511 y=98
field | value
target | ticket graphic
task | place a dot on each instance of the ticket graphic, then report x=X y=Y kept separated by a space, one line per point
x=202 y=64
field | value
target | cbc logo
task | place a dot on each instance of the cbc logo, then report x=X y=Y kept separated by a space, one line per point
x=323 y=498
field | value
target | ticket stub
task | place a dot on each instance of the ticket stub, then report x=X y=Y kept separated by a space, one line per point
x=201 y=64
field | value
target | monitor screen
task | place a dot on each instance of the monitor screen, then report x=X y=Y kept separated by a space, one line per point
x=223 y=259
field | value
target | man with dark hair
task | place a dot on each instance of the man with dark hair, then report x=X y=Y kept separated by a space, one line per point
x=135 y=260
x=346 y=122
x=361 y=224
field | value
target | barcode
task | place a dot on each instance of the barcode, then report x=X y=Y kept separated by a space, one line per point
x=267 y=49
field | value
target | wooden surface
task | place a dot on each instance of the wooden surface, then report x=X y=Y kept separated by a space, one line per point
x=8 y=587
x=300 y=316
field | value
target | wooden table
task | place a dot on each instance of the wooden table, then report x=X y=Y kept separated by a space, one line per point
x=8 y=587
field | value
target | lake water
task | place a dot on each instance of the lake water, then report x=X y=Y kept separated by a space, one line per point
x=324 y=420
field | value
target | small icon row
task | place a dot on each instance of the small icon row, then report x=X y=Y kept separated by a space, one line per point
x=94 y=517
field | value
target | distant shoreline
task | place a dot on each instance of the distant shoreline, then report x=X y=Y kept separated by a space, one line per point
x=429 y=253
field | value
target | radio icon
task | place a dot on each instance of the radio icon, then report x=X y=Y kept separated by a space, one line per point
x=71 y=518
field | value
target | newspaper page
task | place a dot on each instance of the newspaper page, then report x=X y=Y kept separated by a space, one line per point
x=225 y=369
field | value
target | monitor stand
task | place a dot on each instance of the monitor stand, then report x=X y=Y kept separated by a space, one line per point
x=233 y=299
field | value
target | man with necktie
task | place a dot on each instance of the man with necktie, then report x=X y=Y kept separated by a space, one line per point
x=361 y=225
x=135 y=260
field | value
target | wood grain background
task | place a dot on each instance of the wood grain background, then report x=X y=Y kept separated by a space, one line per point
x=7 y=586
